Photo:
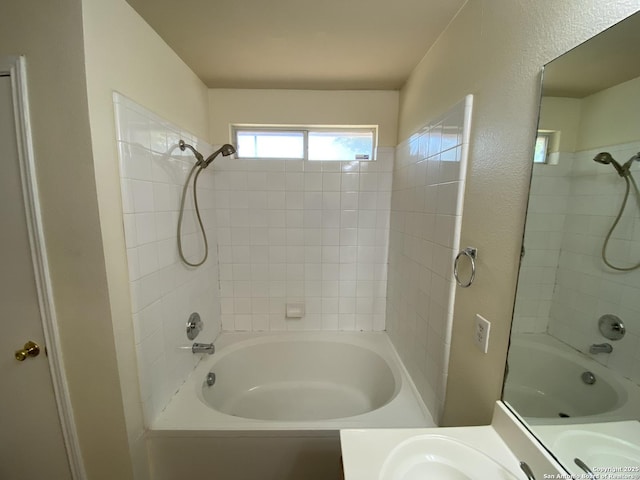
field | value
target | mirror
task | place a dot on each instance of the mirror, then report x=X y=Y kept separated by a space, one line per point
x=574 y=360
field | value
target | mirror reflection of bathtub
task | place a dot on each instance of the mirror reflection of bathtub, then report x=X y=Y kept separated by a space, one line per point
x=577 y=389
x=551 y=389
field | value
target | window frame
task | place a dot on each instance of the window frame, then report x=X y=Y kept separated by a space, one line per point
x=305 y=130
x=548 y=136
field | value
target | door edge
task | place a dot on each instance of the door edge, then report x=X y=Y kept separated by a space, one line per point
x=15 y=67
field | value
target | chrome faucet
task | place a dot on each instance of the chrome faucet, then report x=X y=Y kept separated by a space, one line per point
x=588 y=473
x=203 y=348
x=527 y=471
x=601 y=348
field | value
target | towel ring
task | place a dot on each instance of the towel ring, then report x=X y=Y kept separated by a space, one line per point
x=472 y=254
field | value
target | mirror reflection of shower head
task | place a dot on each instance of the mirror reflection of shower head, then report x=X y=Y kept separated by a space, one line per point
x=636 y=158
x=605 y=158
x=625 y=172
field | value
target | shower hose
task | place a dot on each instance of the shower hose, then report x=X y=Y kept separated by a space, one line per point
x=629 y=181
x=199 y=167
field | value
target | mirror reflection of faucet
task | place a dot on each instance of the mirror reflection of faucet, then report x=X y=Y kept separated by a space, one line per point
x=203 y=348
x=611 y=327
x=601 y=348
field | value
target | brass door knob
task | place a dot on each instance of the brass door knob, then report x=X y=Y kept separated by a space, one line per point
x=31 y=349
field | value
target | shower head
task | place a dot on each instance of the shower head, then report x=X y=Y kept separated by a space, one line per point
x=605 y=158
x=225 y=150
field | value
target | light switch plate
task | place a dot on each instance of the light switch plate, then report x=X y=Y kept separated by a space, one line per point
x=481 y=329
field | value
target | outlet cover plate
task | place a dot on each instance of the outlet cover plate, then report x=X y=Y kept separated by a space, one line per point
x=481 y=330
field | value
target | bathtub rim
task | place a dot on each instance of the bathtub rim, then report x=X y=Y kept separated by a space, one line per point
x=624 y=410
x=406 y=408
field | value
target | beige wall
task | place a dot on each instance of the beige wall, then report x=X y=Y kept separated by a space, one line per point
x=495 y=50
x=610 y=117
x=49 y=34
x=304 y=107
x=562 y=115
x=124 y=54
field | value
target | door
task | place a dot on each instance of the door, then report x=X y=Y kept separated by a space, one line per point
x=31 y=440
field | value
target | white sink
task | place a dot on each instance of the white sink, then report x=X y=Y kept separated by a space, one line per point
x=441 y=457
x=597 y=449
x=598 y=445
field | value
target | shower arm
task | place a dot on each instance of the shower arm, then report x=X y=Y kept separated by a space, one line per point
x=197 y=154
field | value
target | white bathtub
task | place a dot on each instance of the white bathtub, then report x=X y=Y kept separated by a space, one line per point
x=297 y=381
x=544 y=383
x=302 y=380
x=278 y=403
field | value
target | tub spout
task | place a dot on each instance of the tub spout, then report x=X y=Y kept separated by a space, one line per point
x=203 y=348
x=601 y=348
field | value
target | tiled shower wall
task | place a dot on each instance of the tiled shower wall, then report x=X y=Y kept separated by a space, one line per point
x=564 y=286
x=280 y=231
x=586 y=288
x=426 y=208
x=164 y=292
x=303 y=232
x=546 y=214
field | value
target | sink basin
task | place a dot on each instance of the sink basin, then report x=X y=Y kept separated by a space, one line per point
x=444 y=458
x=596 y=449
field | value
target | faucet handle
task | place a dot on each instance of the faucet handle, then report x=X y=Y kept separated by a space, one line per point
x=611 y=327
x=589 y=474
x=527 y=471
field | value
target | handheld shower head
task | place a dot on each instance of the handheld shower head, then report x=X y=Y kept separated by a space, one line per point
x=225 y=150
x=605 y=158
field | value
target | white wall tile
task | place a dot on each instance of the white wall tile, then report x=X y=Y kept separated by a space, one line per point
x=285 y=230
x=163 y=292
x=331 y=182
x=426 y=205
x=349 y=200
x=145 y=228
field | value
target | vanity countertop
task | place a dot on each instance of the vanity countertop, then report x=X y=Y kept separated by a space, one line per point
x=415 y=452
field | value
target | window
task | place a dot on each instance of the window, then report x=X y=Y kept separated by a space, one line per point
x=542 y=148
x=547 y=147
x=263 y=143
x=316 y=143
x=543 y=142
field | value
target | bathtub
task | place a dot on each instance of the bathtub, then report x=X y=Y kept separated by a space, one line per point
x=544 y=385
x=280 y=400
